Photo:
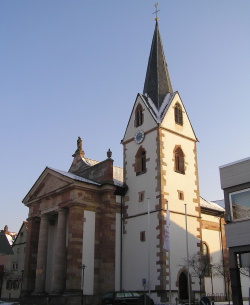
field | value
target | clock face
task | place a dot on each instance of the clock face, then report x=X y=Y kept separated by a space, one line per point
x=139 y=136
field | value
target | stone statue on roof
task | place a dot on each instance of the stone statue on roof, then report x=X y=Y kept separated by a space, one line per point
x=79 y=144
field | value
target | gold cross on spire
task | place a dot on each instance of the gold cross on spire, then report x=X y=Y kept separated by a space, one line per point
x=156 y=11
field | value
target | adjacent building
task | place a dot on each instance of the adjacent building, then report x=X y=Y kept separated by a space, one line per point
x=235 y=182
x=5 y=252
x=14 y=268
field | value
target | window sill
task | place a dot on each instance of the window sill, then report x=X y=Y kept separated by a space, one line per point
x=140 y=173
x=183 y=173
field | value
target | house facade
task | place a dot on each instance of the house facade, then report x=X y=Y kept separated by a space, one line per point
x=14 y=269
x=235 y=182
x=5 y=252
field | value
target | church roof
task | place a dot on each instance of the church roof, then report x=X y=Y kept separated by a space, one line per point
x=158 y=113
x=117 y=173
x=73 y=176
x=157 y=82
x=210 y=205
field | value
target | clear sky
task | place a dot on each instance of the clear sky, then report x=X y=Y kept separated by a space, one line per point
x=74 y=68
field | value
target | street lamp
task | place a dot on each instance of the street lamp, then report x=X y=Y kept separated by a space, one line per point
x=83 y=268
x=211 y=275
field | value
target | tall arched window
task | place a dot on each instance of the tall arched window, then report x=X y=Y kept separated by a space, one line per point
x=183 y=286
x=138 y=115
x=178 y=114
x=179 y=160
x=140 y=161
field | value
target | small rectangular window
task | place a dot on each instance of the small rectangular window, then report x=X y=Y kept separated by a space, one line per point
x=9 y=285
x=180 y=195
x=141 y=196
x=16 y=284
x=142 y=236
x=14 y=266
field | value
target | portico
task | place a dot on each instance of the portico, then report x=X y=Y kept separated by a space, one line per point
x=70 y=218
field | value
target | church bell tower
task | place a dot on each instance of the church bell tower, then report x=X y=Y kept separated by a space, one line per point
x=160 y=170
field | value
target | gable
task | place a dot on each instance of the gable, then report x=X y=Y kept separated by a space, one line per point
x=168 y=120
x=149 y=120
x=48 y=182
x=22 y=234
x=49 y=185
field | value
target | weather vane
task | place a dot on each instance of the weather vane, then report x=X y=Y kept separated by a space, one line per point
x=156 y=11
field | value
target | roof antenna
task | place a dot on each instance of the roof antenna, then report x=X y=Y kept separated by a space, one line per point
x=156 y=11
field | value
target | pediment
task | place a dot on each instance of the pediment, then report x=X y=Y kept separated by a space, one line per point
x=46 y=184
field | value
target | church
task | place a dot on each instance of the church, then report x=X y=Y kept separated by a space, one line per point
x=98 y=228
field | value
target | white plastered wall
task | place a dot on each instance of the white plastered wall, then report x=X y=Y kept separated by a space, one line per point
x=175 y=135
x=117 y=251
x=140 y=257
x=140 y=183
x=136 y=252
x=212 y=238
x=178 y=246
x=88 y=252
x=169 y=121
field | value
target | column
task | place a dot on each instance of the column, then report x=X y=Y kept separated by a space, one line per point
x=42 y=255
x=31 y=255
x=60 y=252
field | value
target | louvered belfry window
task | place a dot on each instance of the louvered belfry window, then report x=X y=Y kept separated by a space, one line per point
x=138 y=116
x=178 y=114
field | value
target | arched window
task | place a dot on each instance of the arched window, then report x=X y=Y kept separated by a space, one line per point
x=178 y=114
x=179 y=161
x=183 y=286
x=138 y=116
x=140 y=161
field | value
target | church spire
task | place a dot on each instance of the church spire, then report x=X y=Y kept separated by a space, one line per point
x=157 y=82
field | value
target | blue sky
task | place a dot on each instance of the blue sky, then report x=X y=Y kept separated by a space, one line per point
x=74 y=68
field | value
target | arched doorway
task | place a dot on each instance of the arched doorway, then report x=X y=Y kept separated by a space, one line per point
x=183 y=286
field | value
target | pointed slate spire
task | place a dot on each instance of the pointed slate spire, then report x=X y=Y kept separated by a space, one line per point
x=157 y=83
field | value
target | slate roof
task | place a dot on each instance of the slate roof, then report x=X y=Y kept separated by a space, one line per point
x=157 y=82
x=73 y=176
x=210 y=205
x=158 y=114
x=117 y=173
x=5 y=248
